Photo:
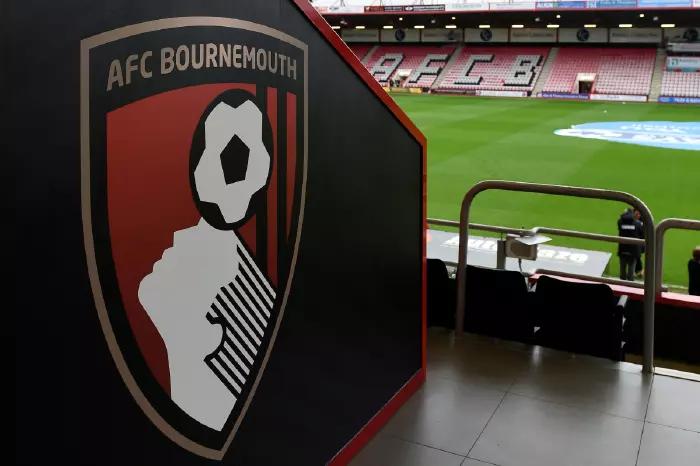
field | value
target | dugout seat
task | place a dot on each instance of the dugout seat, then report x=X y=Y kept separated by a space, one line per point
x=440 y=295
x=411 y=57
x=498 y=303
x=579 y=317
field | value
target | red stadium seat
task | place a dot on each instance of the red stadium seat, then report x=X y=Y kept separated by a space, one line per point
x=618 y=71
x=360 y=50
x=681 y=84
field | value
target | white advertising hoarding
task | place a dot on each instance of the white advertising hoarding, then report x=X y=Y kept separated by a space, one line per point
x=583 y=35
x=441 y=35
x=360 y=35
x=399 y=35
x=501 y=5
x=533 y=35
x=683 y=63
x=619 y=98
x=635 y=35
x=494 y=93
x=470 y=6
x=485 y=36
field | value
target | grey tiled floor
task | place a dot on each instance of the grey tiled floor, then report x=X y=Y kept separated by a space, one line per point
x=490 y=402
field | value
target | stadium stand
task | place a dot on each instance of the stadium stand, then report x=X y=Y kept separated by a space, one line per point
x=360 y=50
x=388 y=61
x=621 y=71
x=681 y=84
x=490 y=68
x=618 y=71
x=573 y=316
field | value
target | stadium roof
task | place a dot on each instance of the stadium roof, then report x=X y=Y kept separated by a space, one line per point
x=408 y=13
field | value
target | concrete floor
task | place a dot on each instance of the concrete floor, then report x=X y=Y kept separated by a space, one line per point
x=491 y=402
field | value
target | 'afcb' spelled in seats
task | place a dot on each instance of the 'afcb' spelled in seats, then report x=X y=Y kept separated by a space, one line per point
x=491 y=68
x=421 y=63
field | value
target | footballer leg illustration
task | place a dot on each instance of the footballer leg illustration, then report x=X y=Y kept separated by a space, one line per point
x=206 y=295
x=177 y=296
x=211 y=304
x=243 y=308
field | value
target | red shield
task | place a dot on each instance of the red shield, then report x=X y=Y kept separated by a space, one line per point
x=193 y=192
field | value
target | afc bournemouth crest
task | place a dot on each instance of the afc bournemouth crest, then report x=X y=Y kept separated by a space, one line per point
x=194 y=147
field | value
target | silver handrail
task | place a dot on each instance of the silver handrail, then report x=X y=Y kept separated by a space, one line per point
x=590 y=193
x=587 y=278
x=536 y=230
x=661 y=229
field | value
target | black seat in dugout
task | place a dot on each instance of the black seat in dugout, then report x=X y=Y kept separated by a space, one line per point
x=580 y=317
x=440 y=295
x=498 y=304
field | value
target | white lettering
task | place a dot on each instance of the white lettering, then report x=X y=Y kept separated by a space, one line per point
x=115 y=75
x=211 y=56
x=145 y=73
x=166 y=60
x=182 y=58
x=130 y=67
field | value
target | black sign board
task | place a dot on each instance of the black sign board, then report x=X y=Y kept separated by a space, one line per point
x=183 y=170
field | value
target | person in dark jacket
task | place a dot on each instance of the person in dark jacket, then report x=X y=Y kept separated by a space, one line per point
x=629 y=227
x=694 y=273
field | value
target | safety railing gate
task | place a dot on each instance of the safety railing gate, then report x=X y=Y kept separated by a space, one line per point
x=651 y=271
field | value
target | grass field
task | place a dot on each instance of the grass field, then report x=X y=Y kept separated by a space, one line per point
x=472 y=139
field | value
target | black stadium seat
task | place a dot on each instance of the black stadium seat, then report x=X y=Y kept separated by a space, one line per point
x=439 y=295
x=498 y=304
x=579 y=317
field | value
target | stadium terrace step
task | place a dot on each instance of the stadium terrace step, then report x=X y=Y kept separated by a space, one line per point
x=656 y=80
x=362 y=50
x=450 y=63
x=546 y=70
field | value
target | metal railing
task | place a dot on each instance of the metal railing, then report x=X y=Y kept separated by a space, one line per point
x=554 y=232
x=649 y=241
x=578 y=276
x=537 y=230
x=661 y=229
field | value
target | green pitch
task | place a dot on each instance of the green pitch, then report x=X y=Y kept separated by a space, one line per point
x=472 y=139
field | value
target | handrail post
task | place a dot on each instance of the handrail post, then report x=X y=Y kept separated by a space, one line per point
x=590 y=193
x=649 y=318
x=661 y=229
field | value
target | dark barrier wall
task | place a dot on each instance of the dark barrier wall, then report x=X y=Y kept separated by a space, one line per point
x=221 y=235
x=675 y=331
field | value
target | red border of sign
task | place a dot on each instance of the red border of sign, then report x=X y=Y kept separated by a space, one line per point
x=384 y=414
